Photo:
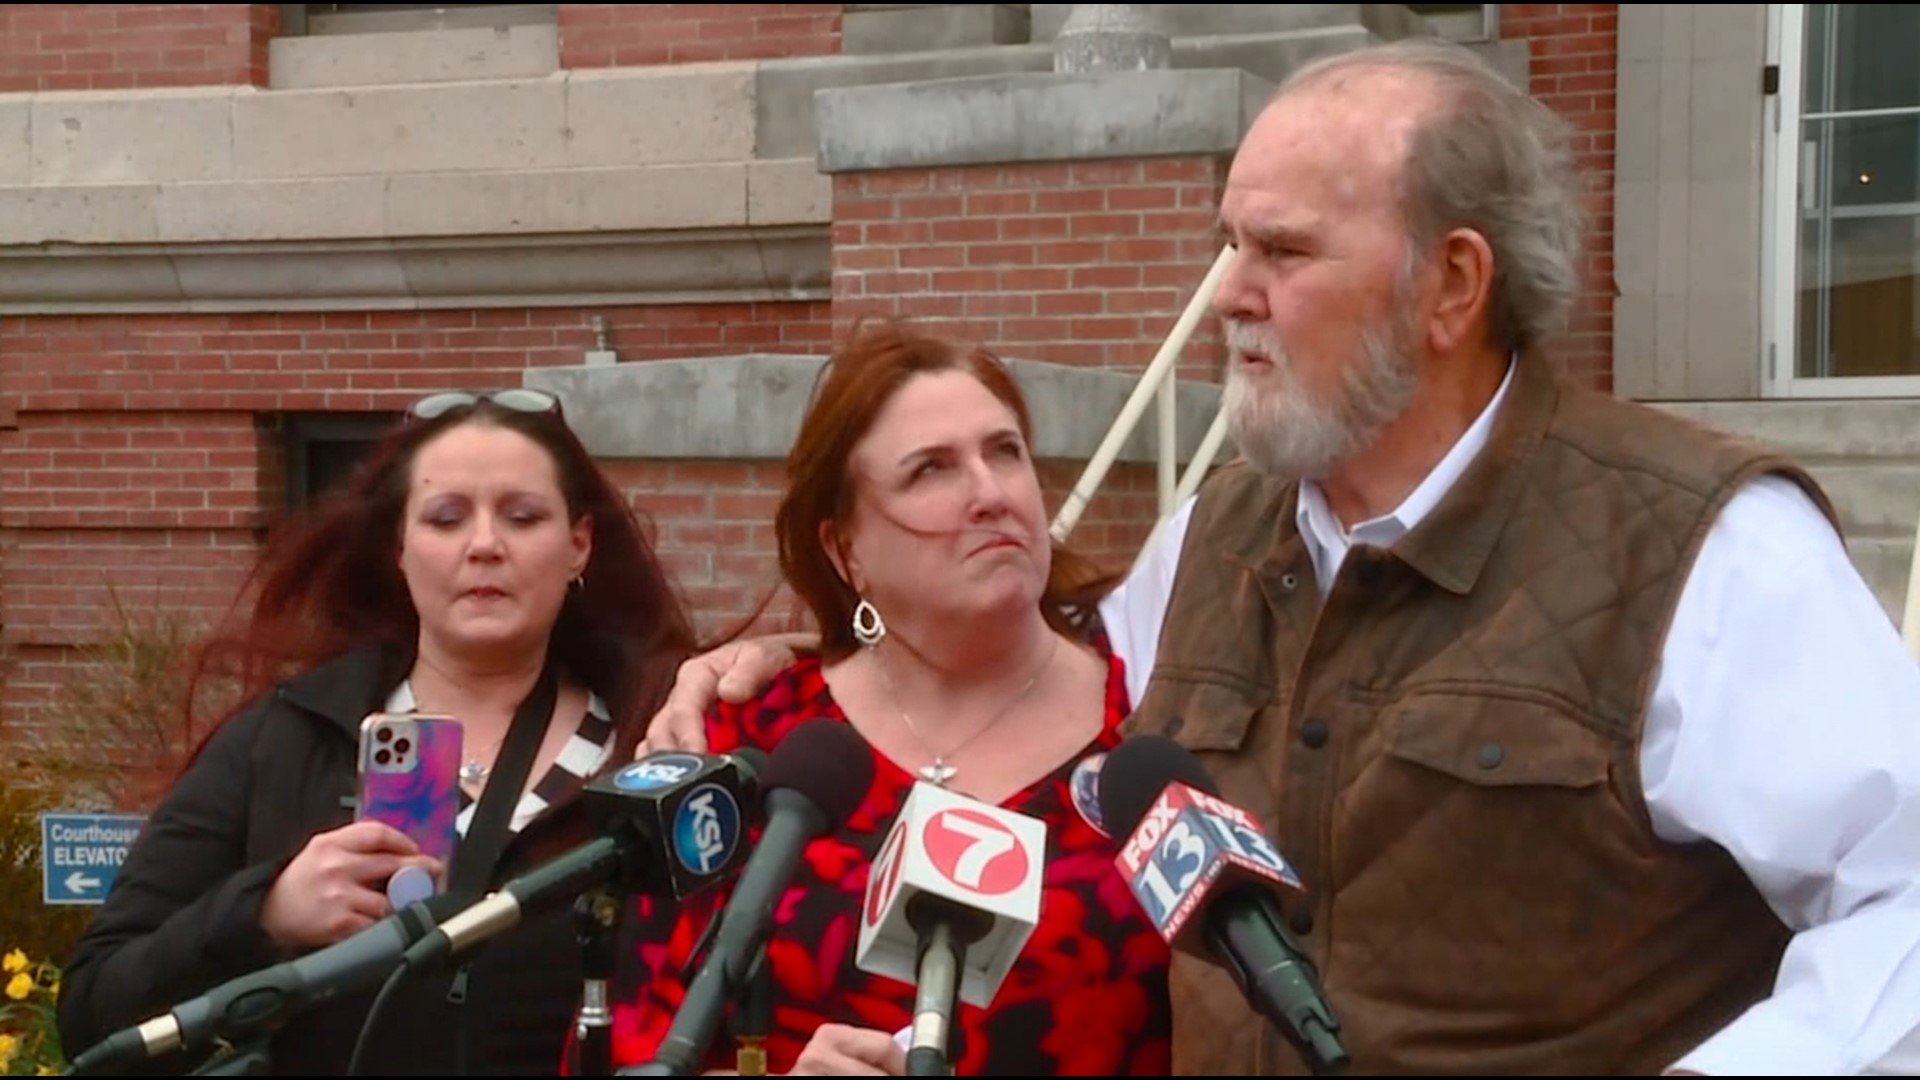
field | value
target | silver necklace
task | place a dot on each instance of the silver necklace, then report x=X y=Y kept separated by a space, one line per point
x=939 y=772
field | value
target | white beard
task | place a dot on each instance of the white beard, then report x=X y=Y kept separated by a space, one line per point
x=1284 y=431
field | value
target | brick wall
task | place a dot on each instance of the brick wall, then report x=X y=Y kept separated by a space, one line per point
x=128 y=449
x=135 y=462
x=1081 y=263
x=1575 y=61
x=619 y=35
x=117 y=46
x=120 y=46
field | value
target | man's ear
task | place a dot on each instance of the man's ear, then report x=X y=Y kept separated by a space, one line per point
x=1463 y=290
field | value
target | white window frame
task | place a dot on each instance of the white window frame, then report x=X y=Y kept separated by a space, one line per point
x=1780 y=232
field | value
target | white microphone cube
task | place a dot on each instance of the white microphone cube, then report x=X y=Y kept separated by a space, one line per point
x=965 y=851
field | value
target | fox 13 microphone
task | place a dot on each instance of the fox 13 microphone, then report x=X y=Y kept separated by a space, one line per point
x=953 y=896
x=1205 y=874
x=815 y=780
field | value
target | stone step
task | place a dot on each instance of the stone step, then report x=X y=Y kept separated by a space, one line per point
x=1865 y=453
x=1884 y=562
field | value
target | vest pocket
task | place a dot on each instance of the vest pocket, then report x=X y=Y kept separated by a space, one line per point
x=1198 y=715
x=1497 y=741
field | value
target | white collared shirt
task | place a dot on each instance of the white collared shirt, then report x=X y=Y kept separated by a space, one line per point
x=1784 y=726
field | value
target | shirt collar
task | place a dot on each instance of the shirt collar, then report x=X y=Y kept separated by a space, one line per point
x=1328 y=542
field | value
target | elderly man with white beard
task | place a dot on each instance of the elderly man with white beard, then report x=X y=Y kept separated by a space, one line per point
x=1593 y=750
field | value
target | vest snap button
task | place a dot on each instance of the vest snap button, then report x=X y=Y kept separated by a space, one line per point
x=1313 y=734
x=1301 y=922
x=1491 y=755
x=1288 y=582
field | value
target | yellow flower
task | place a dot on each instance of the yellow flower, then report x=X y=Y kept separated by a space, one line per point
x=9 y=1045
x=15 y=961
x=47 y=1070
x=20 y=986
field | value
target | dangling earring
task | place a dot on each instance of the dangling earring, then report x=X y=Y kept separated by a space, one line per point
x=867 y=627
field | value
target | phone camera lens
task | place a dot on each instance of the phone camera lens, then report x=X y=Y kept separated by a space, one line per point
x=384 y=735
x=382 y=757
x=402 y=746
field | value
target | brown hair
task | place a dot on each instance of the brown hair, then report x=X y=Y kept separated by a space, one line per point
x=328 y=581
x=858 y=381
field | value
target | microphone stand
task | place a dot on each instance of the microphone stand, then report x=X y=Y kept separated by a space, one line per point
x=946 y=930
x=750 y=1011
x=595 y=915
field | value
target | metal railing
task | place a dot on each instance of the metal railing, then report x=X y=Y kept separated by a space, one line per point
x=1157 y=382
x=1910 y=614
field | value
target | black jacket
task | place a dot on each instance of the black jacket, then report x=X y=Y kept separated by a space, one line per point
x=184 y=912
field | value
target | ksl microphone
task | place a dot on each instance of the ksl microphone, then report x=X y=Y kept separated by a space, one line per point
x=258 y=1003
x=952 y=898
x=1204 y=873
x=670 y=824
x=817 y=777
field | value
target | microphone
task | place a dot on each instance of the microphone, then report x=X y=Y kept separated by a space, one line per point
x=668 y=824
x=817 y=778
x=1188 y=854
x=952 y=898
x=252 y=1004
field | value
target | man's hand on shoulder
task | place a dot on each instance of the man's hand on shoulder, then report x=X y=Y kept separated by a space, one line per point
x=734 y=672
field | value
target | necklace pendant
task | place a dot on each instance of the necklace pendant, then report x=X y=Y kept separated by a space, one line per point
x=937 y=773
x=473 y=772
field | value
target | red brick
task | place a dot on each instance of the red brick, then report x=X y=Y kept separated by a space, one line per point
x=622 y=35
x=122 y=46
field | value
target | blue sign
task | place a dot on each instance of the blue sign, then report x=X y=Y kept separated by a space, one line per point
x=706 y=829
x=80 y=854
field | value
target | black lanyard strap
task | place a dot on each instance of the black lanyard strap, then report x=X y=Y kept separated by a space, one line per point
x=488 y=832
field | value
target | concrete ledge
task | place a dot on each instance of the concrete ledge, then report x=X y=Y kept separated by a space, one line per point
x=524 y=202
x=448 y=54
x=1036 y=117
x=720 y=265
x=749 y=407
x=1824 y=430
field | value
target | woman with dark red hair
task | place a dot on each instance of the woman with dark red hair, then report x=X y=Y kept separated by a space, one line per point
x=956 y=641
x=480 y=566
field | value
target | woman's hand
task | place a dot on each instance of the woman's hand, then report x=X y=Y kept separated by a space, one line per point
x=336 y=886
x=839 y=1050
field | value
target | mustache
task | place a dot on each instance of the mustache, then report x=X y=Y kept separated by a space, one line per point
x=1254 y=337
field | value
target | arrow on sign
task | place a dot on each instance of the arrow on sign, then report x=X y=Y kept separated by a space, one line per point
x=79 y=882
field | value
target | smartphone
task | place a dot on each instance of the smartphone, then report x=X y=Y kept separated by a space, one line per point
x=410 y=777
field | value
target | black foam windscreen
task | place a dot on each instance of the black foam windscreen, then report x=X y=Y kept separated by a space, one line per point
x=1137 y=771
x=827 y=762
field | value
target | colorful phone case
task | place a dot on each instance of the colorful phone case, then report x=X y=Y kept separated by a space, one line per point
x=410 y=777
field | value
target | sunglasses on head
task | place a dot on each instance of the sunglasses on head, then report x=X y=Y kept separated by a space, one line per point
x=518 y=399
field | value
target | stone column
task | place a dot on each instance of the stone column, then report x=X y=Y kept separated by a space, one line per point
x=1111 y=37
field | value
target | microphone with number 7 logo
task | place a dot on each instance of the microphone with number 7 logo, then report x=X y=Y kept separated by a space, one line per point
x=952 y=898
x=1204 y=872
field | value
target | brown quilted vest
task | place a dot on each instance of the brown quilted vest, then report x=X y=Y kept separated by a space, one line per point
x=1447 y=750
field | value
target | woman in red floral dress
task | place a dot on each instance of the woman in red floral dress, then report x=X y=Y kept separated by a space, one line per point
x=956 y=639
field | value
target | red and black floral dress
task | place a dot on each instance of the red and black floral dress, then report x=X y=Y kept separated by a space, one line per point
x=1087 y=997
